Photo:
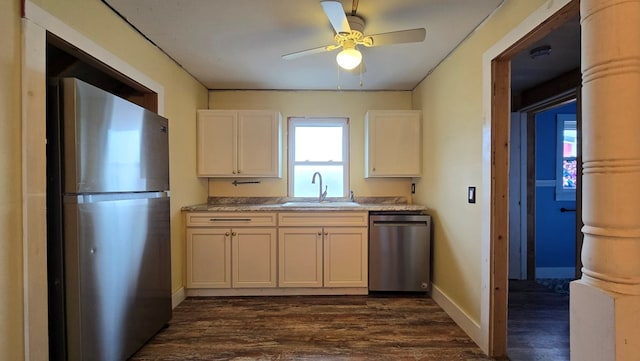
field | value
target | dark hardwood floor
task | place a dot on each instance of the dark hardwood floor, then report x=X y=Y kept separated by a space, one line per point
x=538 y=323
x=380 y=327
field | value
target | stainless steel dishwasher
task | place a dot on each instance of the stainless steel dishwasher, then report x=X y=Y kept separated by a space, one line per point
x=399 y=251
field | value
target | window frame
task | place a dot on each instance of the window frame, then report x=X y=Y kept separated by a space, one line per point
x=294 y=122
x=563 y=194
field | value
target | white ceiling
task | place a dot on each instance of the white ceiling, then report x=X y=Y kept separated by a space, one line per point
x=238 y=44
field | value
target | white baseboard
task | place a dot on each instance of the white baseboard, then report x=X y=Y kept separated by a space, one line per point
x=461 y=318
x=555 y=272
x=177 y=297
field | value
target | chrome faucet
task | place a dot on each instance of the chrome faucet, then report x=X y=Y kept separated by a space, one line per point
x=321 y=195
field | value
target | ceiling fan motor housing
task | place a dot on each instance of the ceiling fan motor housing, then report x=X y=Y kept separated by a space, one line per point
x=356 y=23
x=356 y=36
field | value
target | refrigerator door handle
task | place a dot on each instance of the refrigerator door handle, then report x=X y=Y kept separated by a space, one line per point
x=101 y=197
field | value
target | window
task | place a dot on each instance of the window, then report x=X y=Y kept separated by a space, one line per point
x=318 y=145
x=567 y=151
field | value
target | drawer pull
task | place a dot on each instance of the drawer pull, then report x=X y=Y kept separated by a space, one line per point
x=229 y=219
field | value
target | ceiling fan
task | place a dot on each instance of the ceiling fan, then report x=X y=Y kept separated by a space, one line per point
x=349 y=31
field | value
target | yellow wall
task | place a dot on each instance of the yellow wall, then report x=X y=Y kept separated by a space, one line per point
x=451 y=101
x=11 y=330
x=350 y=104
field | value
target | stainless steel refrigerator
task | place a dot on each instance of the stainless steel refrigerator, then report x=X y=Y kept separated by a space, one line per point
x=108 y=241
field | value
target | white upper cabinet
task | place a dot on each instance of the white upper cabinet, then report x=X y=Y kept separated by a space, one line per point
x=393 y=143
x=239 y=143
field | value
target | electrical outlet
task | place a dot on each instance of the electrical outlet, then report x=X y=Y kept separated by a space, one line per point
x=471 y=194
x=413 y=188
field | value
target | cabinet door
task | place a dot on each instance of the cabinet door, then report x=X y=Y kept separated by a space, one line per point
x=300 y=257
x=254 y=257
x=345 y=257
x=259 y=144
x=216 y=143
x=393 y=144
x=208 y=258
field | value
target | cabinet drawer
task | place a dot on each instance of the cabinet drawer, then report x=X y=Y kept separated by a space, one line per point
x=307 y=219
x=230 y=219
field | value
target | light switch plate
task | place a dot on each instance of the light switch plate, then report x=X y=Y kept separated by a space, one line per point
x=471 y=194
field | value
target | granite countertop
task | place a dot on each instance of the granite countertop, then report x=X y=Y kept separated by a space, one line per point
x=249 y=204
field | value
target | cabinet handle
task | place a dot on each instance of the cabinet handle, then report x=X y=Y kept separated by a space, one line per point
x=319 y=233
x=326 y=233
x=238 y=171
x=233 y=172
x=233 y=234
x=229 y=219
x=374 y=169
x=226 y=234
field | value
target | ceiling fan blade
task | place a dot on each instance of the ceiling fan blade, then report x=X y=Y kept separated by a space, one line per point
x=399 y=37
x=336 y=15
x=302 y=53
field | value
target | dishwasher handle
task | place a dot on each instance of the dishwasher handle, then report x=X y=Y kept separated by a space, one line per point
x=401 y=223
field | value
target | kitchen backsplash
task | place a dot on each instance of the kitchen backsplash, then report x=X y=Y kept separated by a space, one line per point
x=279 y=200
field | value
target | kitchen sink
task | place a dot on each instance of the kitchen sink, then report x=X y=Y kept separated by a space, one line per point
x=319 y=204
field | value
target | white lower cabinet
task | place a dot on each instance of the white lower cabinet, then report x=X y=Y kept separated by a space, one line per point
x=334 y=255
x=345 y=257
x=300 y=257
x=253 y=257
x=208 y=258
x=224 y=250
x=282 y=252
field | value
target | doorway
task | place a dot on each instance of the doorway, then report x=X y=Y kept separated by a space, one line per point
x=538 y=298
x=502 y=101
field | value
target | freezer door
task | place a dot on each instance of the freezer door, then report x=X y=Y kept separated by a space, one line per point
x=110 y=144
x=117 y=272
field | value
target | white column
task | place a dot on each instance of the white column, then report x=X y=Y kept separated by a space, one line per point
x=605 y=303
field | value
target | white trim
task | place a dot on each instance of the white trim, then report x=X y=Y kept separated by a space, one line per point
x=34 y=221
x=544 y=12
x=556 y=272
x=461 y=318
x=295 y=122
x=177 y=297
x=548 y=183
x=52 y=24
x=35 y=25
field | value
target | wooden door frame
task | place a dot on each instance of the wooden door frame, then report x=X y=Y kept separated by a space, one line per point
x=499 y=199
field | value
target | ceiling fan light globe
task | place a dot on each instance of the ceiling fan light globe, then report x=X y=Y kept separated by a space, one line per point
x=349 y=58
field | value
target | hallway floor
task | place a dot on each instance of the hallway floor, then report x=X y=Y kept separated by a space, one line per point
x=311 y=328
x=538 y=328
